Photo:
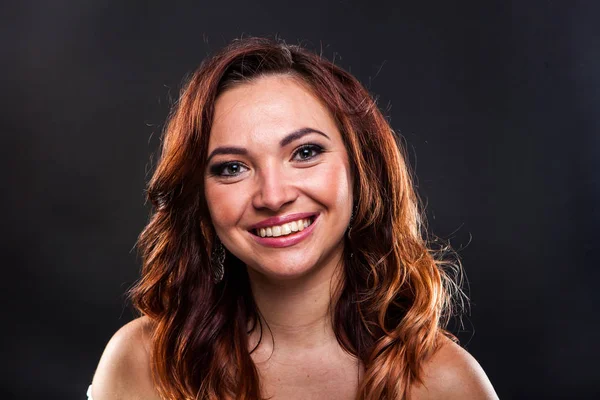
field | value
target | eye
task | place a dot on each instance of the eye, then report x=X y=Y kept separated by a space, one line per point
x=228 y=169
x=307 y=152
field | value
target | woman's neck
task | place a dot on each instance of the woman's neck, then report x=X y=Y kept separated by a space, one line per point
x=296 y=312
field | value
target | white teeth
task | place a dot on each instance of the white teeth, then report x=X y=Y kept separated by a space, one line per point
x=284 y=229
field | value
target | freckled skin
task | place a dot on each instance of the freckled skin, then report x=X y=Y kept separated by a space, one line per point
x=273 y=181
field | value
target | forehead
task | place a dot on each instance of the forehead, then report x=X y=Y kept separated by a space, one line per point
x=264 y=110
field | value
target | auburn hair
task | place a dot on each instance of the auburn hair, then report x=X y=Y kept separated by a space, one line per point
x=397 y=294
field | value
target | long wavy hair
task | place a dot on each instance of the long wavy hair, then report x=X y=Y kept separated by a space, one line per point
x=397 y=294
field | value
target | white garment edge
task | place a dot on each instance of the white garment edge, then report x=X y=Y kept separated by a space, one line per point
x=89 y=393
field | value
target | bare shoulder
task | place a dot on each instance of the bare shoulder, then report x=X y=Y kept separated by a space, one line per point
x=452 y=373
x=124 y=368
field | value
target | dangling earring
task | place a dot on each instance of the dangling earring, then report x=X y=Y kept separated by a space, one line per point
x=354 y=211
x=218 y=261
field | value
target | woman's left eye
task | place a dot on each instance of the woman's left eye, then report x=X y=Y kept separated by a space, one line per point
x=307 y=152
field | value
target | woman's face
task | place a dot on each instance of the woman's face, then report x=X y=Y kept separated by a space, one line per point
x=276 y=164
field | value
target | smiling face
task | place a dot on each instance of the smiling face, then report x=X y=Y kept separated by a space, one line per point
x=277 y=156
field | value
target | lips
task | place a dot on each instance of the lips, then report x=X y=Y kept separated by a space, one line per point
x=283 y=229
x=274 y=221
x=289 y=239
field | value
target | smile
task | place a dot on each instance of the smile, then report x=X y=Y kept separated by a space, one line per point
x=284 y=229
x=286 y=234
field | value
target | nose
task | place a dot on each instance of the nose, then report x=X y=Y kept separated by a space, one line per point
x=274 y=190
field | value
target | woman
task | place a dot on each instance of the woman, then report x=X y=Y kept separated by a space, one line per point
x=284 y=258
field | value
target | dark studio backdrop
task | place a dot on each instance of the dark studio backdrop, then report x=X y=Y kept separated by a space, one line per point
x=497 y=101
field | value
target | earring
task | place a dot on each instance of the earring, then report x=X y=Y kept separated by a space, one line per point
x=354 y=212
x=218 y=261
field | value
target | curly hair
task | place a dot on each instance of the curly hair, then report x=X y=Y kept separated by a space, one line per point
x=398 y=292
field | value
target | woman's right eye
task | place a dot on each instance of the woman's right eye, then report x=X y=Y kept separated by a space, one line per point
x=226 y=170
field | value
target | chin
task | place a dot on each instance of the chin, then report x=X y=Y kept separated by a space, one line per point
x=286 y=269
x=284 y=272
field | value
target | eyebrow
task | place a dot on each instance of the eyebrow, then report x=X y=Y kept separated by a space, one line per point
x=289 y=138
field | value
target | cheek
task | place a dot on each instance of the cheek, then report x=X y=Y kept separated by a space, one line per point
x=223 y=211
x=332 y=184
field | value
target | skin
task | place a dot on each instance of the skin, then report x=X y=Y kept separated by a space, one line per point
x=291 y=285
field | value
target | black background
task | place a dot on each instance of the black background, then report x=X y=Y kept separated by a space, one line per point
x=497 y=101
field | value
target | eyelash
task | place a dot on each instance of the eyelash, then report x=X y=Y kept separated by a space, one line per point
x=309 y=146
x=218 y=169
